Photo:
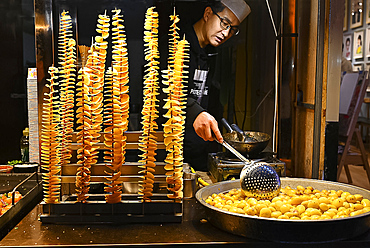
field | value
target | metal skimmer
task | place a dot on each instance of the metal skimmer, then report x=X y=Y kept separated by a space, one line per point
x=257 y=179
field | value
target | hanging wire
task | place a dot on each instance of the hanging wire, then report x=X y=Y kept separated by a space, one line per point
x=271 y=17
x=52 y=35
x=275 y=127
x=259 y=105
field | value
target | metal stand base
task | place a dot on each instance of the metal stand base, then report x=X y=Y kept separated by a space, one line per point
x=99 y=212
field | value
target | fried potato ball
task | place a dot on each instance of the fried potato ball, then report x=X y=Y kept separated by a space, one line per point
x=294 y=204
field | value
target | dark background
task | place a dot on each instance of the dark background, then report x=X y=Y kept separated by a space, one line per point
x=17 y=53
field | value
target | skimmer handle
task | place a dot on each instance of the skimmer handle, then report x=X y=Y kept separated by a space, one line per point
x=233 y=150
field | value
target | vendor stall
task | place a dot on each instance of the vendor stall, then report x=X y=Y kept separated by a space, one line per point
x=195 y=230
x=110 y=143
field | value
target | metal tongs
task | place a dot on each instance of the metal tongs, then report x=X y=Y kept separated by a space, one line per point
x=237 y=133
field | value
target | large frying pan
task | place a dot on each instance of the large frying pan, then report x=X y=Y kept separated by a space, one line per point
x=286 y=230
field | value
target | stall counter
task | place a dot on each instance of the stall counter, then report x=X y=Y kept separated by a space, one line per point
x=194 y=230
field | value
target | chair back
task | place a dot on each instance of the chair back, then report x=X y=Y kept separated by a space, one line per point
x=352 y=94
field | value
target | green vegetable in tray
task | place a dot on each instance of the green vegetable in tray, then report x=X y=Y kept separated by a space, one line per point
x=13 y=162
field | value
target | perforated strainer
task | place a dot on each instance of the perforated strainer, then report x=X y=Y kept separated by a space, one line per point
x=257 y=179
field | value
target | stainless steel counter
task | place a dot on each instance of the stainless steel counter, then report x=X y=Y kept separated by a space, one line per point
x=194 y=230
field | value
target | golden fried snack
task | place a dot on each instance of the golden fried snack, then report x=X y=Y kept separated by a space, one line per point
x=175 y=103
x=294 y=204
x=50 y=145
x=90 y=107
x=67 y=69
x=116 y=109
x=84 y=137
x=148 y=143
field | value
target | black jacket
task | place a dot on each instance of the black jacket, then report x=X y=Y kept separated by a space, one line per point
x=202 y=61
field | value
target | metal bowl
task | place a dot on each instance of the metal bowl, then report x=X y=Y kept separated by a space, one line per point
x=255 y=142
x=293 y=231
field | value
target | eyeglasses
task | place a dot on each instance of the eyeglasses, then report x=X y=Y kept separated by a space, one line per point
x=225 y=25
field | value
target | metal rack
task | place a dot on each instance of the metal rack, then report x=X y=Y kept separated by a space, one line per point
x=131 y=209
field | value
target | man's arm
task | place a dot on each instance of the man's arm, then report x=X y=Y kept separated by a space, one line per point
x=203 y=123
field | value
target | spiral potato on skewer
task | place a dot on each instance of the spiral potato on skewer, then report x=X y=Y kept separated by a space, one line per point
x=98 y=58
x=148 y=142
x=116 y=110
x=84 y=138
x=175 y=103
x=50 y=147
x=173 y=41
x=67 y=61
x=113 y=140
x=89 y=112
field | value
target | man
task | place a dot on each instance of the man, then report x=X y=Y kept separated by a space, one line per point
x=219 y=23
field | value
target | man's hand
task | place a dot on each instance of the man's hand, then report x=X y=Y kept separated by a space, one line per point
x=204 y=125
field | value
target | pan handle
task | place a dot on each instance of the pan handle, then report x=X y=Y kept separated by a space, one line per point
x=226 y=125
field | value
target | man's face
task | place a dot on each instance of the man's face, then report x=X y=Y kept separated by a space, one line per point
x=215 y=34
